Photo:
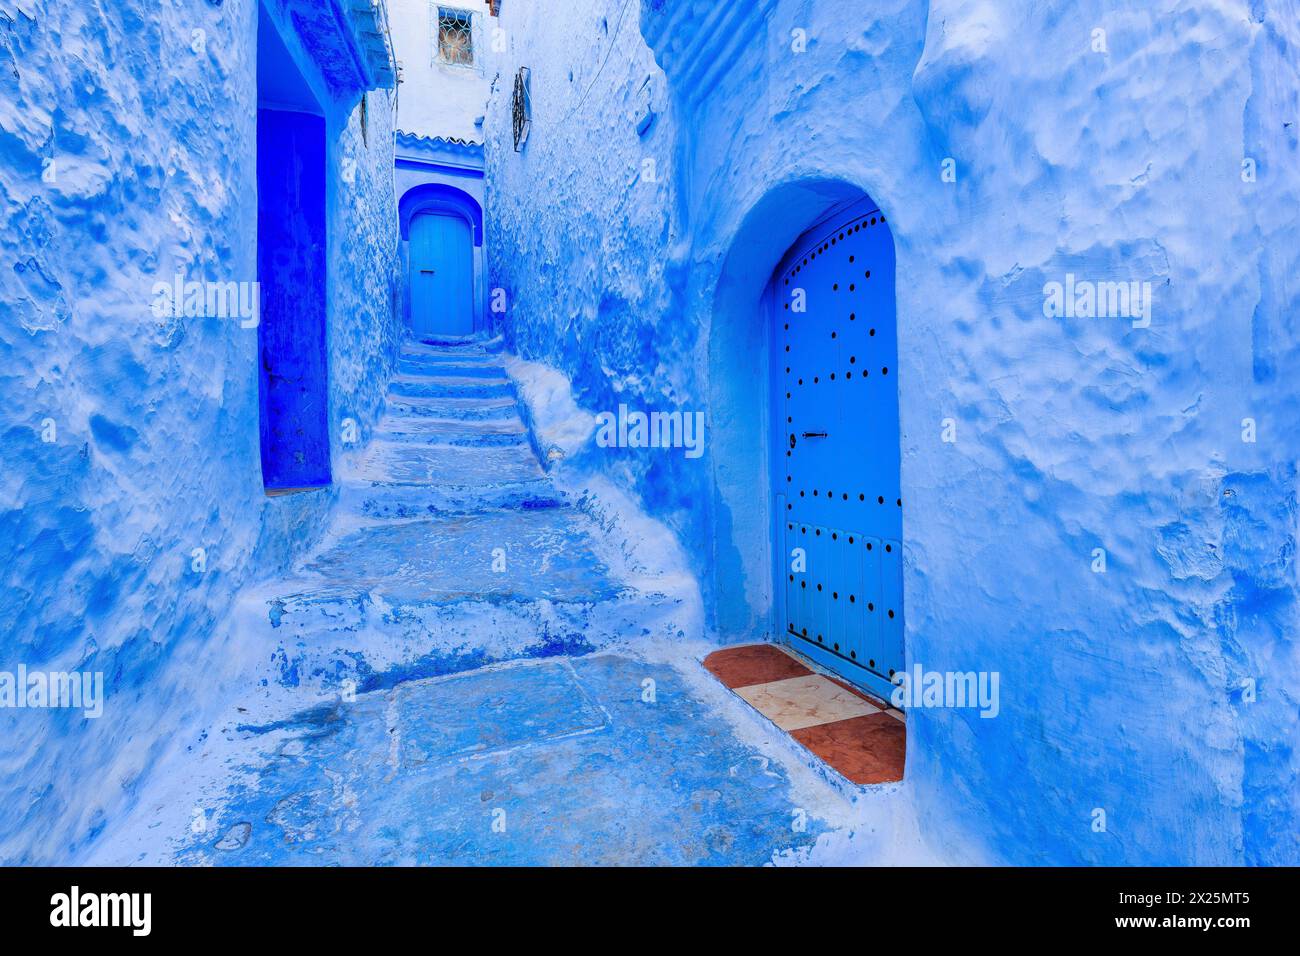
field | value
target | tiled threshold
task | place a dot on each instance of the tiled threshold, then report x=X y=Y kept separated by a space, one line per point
x=860 y=737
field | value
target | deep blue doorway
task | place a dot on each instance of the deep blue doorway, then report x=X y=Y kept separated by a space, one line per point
x=291 y=271
x=840 y=507
x=442 y=276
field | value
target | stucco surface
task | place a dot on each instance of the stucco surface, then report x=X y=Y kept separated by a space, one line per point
x=1160 y=691
x=142 y=118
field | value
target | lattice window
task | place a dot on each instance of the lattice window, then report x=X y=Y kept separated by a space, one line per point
x=455 y=37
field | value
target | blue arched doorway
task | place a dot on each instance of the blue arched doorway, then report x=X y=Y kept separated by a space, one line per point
x=442 y=226
x=838 y=335
x=839 y=505
x=441 y=276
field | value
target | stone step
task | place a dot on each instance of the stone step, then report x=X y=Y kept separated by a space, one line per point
x=464 y=368
x=450 y=386
x=391 y=601
x=446 y=467
x=324 y=634
x=465 y=344
x=399 y=479
x=413 y=429
x=393 y=500
x=463 y=409
x=433 y=425
x=495 y=557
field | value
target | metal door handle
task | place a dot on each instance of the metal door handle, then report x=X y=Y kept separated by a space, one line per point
x=814 y=434
x=426 y=272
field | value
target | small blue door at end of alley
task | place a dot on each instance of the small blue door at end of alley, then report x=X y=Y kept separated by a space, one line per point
x=442 y=270
x=837 y=481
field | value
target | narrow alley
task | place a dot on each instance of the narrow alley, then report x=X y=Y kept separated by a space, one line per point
x=649 y=433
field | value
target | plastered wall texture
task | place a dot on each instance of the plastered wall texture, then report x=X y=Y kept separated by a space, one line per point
x=127 y=156
x=1160 y=693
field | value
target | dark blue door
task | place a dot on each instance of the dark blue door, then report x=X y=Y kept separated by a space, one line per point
x=840 y=511
x=442 y=301
x=291 y=271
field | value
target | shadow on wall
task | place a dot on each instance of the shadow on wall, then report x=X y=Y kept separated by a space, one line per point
x=739 y=404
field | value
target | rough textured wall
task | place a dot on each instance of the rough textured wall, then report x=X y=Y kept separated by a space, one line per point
x=127 y=135
x=1107 y=157
x=365 y=282
x=581 y=225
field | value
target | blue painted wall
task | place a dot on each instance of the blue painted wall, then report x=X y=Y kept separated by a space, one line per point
x=677 y=150
x=128 y=156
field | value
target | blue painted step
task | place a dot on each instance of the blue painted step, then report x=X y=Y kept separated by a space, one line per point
x=418 y=429
x=433 y=466
x=495 y=557
x=456 y=550
x=454 y=343
x=589 y=774
x=465 y=368
x=403 y=479
x=466 y=409
x=397 y=501
x=438 y=595
x=450 y=386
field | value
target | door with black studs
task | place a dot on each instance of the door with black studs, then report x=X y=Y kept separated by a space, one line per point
x=840 y=507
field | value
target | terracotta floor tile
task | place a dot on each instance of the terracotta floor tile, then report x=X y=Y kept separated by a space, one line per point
x=753 y=664
x=864 y=750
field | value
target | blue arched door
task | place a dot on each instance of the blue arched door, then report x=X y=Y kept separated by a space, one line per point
x=442 y=276
x=838 y=479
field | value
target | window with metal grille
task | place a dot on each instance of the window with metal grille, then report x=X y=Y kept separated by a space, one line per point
x=521 y=108
x=455 y=37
